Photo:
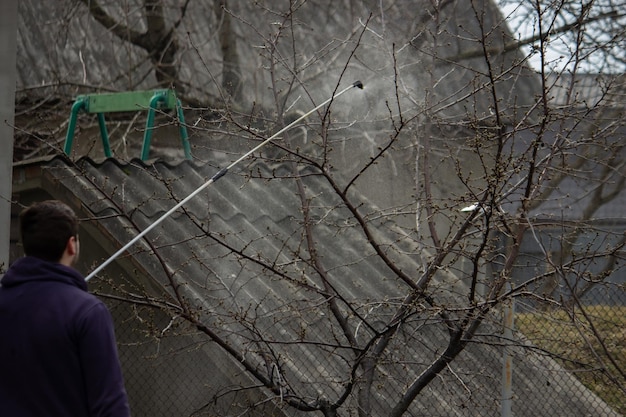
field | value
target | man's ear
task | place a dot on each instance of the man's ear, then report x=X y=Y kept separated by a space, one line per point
x=72 y=246
x=71 y=252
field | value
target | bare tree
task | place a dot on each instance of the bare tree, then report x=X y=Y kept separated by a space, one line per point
x=158 y=40
x=461 y=159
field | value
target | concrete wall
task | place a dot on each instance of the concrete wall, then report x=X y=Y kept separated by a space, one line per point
x=8 y=37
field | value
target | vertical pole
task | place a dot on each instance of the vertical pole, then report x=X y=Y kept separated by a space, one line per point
x=8 y=72
x=147 y=136
x=78 y=105
x=182 y=128
x=507 y=361
x=104 y=135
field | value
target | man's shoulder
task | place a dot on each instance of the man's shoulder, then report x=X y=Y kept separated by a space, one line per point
x=63 y=296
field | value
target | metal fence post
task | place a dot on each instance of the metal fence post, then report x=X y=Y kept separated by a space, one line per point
x=508 y=308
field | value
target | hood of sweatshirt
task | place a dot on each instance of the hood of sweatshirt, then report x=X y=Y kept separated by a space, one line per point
x=32 y=269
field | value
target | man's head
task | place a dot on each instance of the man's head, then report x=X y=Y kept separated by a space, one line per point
x=49 y=231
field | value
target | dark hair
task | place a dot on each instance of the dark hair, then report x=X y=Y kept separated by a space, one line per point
x=46 y=227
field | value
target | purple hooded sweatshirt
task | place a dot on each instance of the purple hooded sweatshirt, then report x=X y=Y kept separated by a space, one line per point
x=58 y=356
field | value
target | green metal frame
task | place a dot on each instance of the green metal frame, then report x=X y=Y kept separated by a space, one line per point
x=127 y=101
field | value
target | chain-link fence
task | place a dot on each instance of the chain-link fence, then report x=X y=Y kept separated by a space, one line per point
x=587 y=338
x=170 y=369
x=576 y=349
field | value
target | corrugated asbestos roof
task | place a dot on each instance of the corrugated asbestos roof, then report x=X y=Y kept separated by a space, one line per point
x=586 y=90
x=215 y=247
x=569 y=186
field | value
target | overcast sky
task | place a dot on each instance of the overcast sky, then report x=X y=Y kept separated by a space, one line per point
x=522 y=28
x=605 y=32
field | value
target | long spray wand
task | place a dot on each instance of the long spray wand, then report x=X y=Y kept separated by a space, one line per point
x=213 y=179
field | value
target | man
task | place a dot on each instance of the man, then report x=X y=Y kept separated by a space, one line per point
x=58 y=355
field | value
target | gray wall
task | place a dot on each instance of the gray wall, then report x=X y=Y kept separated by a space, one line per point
x=8 y=37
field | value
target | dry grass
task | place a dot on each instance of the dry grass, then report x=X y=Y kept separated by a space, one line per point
x=571 y=337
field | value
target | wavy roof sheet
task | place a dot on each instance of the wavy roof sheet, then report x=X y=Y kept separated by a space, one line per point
x=215 y=248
